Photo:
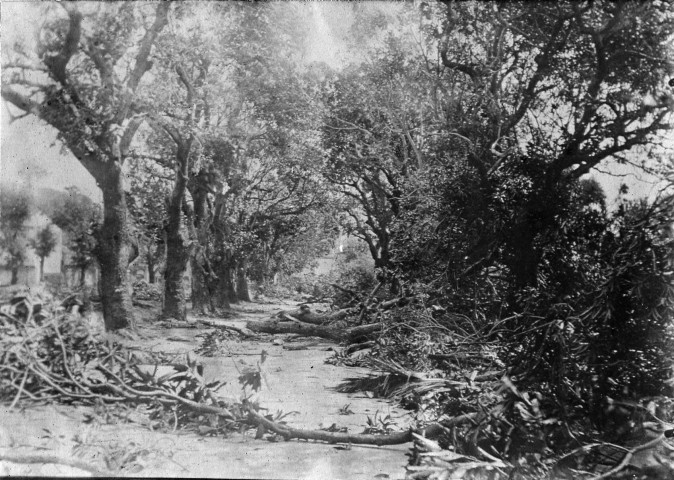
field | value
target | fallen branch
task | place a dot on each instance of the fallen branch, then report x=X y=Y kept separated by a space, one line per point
x=297 y=327
x=300 y=328
x=288 y=433
x=31 y=459
x=241 y=331
x=302 y=346
x=304 y=314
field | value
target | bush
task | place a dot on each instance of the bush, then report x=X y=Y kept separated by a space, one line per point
x=146 y=291
x=355 y=271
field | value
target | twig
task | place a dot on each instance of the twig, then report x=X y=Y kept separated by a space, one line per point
x=223 y=412
x=19 y=391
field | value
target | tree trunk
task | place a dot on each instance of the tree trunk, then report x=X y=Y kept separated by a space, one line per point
x=83 y=276
x=15 y=275
x=114 y=250
x=242 y=291
x=178 y=254
x=41 y=269
x=223 y=291
x=177 y=241
x=230 y=282
x=149 y=258
x=202 y=301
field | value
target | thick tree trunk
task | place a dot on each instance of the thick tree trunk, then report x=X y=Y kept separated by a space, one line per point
x=242 y=291
x=201 y=270
x=201 y=302
x=114 y=250
x=525 y=257
x=149 y=258
x=230 y=282
x=222 y=288
x=178 y=254
x=177 y=241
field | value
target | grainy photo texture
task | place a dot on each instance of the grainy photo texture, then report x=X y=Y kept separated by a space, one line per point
x=337 y=240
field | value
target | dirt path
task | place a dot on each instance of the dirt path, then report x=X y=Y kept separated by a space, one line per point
x=296 y=381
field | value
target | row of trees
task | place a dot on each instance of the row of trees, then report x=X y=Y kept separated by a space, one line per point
x=465 y=131
x=73 y=213
x=210 y=112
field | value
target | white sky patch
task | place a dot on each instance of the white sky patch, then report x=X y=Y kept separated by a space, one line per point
x=324 y=43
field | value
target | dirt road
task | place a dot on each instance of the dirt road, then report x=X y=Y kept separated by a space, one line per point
x=295 y=381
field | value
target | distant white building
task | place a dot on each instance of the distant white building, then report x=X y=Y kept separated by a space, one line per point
x=57 y=268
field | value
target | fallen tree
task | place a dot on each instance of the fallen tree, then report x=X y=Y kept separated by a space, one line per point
x=289 y=324
x=304 y=314
x=329 y=325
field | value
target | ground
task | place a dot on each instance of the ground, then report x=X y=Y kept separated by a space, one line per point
x=296 y=381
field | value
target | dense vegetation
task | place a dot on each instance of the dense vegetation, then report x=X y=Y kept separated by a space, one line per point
x=458 y=146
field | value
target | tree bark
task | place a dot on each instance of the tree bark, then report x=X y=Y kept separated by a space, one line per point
x=230 y=281
x=224 y=286
x=202 y=273
x=177 y=241
x=15 y=276
x=41 y=269
x=149 y=258
x=242 y=291
x=113 y=252
x=178 y=254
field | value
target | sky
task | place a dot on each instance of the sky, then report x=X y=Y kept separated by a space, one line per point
x=31 y=156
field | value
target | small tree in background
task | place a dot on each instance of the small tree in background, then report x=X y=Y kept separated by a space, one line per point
x=43 y=244
x=80 y=219
x=14 y=211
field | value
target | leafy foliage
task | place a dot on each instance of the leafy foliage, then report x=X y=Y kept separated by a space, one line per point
x=15 y=209
x=80 y=219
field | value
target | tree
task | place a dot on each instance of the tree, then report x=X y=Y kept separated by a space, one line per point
x=254 y=168
x=149 y=187
x=84 y=78
x=562 y=86
x=43 y=244
x=15 y=207
x=80 y=219
x=372 y=132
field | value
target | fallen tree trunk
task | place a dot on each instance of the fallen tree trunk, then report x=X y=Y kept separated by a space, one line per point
x=304 y=314
x=311 y=330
